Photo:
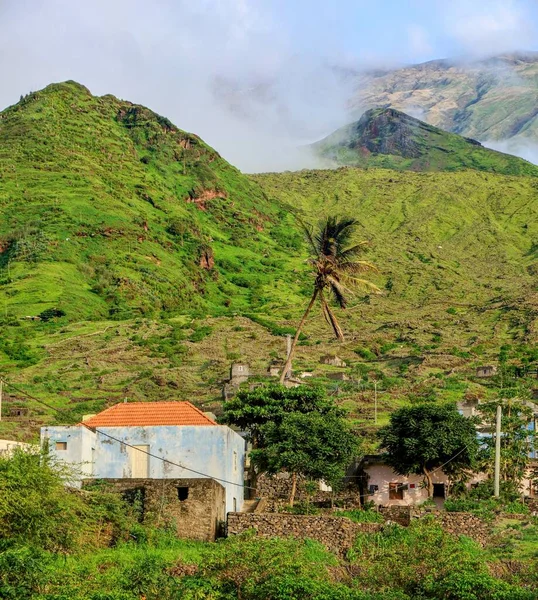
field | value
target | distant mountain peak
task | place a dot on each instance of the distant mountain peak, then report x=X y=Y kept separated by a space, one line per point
x=386 y=137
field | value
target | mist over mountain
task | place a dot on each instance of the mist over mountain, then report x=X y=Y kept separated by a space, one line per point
x=493 y=100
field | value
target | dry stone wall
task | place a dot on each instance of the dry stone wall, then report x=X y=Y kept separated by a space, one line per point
x=276 y=489
x=466 y=524
x=337 y=534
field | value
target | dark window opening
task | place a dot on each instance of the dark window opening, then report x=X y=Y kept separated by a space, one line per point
x=396 y=491
x=136 y=498
x=182 y=493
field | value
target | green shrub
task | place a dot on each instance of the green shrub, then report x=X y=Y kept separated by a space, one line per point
x=362 y=516
x=365 y=353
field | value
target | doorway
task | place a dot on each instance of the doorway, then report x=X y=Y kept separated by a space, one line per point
x=439 y=490
x=139 y=461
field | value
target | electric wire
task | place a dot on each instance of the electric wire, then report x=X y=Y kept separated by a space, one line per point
x=167 y=461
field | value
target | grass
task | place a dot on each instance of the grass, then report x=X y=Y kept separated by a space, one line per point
x=97 y=221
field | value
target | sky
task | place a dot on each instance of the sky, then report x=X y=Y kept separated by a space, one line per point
x=254 y=78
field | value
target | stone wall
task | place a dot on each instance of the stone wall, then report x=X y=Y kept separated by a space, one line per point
x=465 y=524
x=532 y=503
x=335 y=533
x=196 y=507
x=276 y=489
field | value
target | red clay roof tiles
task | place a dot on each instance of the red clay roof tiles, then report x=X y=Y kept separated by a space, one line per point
x=140 y=414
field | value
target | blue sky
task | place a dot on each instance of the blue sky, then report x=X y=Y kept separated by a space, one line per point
x=249 y=76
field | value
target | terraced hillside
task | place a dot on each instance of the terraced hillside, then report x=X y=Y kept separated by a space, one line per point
x=385 y=137
x=154 y=264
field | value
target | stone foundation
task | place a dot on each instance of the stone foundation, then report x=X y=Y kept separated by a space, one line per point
x=196 y=507
x=276 y=489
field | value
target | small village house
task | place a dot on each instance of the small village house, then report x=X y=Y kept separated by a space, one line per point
x=7 y=447
x=334 y=361
x=150 y=445
x=385 y=487
x=486 y=371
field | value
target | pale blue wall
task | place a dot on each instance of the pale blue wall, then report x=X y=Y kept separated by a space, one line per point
x=207 y=449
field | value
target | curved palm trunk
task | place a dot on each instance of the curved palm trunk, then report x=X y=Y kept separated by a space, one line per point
x=330 y=317
x=287 y=366
x=429 y=482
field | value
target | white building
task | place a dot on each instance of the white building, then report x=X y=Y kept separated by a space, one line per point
x=7 y=446
x=153 y=440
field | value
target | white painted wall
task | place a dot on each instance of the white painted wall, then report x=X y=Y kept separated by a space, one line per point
x=7 y=446
x=216 y=451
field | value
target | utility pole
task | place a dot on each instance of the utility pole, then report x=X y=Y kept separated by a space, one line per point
x=375 y=401
x=496 y=491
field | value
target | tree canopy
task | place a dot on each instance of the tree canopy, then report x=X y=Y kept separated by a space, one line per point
x=420 y=439
x=251 y=410
x=298 y=430
x=316 y=446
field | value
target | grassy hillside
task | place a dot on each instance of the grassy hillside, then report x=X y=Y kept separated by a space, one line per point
x=169 y=265
x=109 y=210
x=388 y=138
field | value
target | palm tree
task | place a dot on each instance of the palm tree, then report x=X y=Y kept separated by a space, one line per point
x=336 y=270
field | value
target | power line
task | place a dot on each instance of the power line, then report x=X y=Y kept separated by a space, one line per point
x=165 y=460
x=99 y=431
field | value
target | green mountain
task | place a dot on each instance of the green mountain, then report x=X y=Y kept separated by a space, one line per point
x=385 y=137
x=109 y=210
x=491 y=99
x=154 y=264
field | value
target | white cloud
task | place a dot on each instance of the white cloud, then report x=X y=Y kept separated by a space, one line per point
x=224 y=69
x=487 y=27
x=419 y=40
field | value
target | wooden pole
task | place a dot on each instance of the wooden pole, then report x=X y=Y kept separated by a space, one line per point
x=497 y=482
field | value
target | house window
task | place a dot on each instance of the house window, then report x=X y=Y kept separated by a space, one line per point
x=373 y=488
x=235 y=505
x=235 y=461
x=61 y=445
x=182 y=493
x=396 y=491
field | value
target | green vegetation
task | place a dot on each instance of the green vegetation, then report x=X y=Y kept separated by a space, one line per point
x=57 y=544
x=109 y=210
x=134 y=240
x=390 y=139
x=313 y=445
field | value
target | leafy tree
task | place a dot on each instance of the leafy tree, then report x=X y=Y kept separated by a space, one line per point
x=336 y=269
x=420 y=439
x=252 y=410
x=313 y=445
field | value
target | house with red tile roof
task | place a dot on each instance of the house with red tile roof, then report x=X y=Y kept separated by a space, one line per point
x=153 y=441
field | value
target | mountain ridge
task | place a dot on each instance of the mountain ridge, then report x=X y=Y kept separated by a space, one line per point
x=386 y=137
x=488 y=99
